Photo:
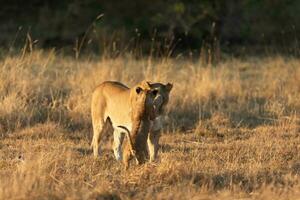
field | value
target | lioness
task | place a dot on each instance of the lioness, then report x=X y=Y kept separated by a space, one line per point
x=123 y=107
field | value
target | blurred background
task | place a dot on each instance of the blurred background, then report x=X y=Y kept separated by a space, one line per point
x=190 y=27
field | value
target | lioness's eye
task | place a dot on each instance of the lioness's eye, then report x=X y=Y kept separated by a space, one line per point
x=138 y=90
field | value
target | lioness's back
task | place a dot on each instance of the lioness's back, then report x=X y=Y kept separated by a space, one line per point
x=114 y=84
x=111 y=87
x=108 y=90
x=111 y=98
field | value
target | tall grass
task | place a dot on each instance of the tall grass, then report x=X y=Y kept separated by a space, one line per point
x=233 y=127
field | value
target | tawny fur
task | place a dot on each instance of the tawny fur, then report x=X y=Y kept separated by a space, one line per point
x=124 y=107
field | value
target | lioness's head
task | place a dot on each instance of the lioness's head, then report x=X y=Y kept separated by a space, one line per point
x=142 y=99
x=161 y=92
x=147 y=102
x=142 y=111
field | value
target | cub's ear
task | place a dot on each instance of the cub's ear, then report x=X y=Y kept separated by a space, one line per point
x=138 y=90
x=169 y=86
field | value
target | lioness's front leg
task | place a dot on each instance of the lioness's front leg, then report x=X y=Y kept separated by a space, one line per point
x=127 y=155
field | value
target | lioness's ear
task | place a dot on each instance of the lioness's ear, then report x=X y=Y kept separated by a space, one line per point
x=169 y=86
x=145 y=84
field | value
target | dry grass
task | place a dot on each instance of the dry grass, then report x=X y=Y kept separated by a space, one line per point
x=232 y=130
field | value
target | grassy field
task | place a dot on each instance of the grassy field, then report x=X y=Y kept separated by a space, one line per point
x=232 y=131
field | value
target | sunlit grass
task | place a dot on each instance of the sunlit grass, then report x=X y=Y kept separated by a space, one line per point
x=231 y=130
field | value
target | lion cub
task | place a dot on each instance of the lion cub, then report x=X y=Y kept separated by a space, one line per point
x=160 y=102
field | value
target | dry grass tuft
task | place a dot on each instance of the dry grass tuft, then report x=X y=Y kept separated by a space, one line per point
x=232 y=131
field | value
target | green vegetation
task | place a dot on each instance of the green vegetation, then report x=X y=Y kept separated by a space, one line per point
x=186 y=25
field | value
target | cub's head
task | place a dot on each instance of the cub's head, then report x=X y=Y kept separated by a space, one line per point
x=161 y=94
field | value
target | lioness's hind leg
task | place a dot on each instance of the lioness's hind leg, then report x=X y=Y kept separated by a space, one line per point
x=117 y=145
x=97 y=128
x=97 y=111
